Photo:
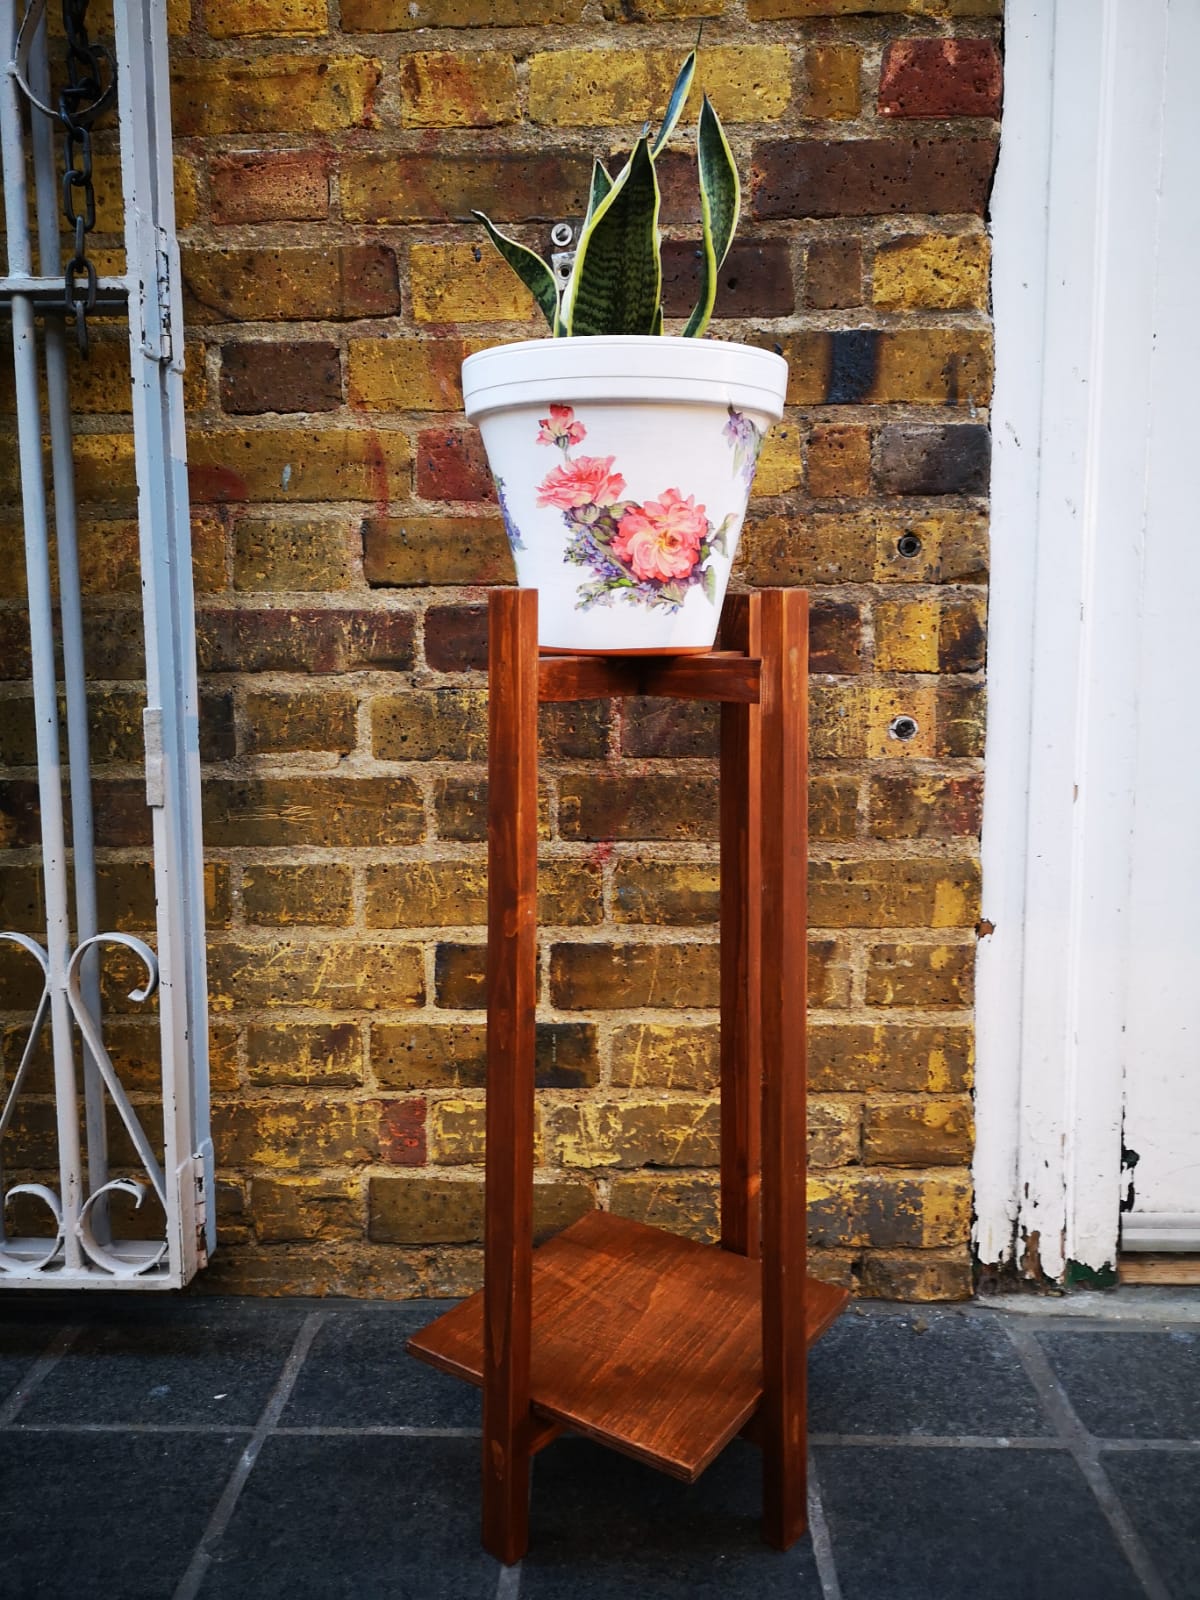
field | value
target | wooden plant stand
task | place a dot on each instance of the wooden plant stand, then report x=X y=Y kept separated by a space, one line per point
x=658 y=1346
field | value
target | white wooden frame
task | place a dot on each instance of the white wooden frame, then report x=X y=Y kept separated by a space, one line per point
x=1073 y=221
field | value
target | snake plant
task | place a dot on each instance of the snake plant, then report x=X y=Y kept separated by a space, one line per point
x=616 y=280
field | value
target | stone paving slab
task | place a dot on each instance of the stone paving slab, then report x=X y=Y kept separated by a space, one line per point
x=219 y=1448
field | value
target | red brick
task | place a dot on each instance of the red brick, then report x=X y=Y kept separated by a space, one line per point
x=835 y=636
x=639 y=806
x=871 y=177
x=924 y=806
x=402 y=1132
x=666 y=729
x=833 y=275
x=755 y=279
x=421 y=551
x=258 y=377
x=940 y=78
x=456 y=638
x=333 y=812
x=451 y=465
x=263 y=284
x=306 y=640
x=260 y=186
x=513 y=186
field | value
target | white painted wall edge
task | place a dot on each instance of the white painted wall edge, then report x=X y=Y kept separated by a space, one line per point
x=1073 y=212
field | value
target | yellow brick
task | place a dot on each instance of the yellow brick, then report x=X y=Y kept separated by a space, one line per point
x=392 y=16
x=322 y=976
x=834 y=1130
x=596 y=88
x=952 y=547
x=780 y=467
x=771 y=10
x=885 y=706
x=831 y=82
x=110 y=204
x=907 y=635
x=328 y=1055
x=933 y=366
x=457 y=1133
x=659 y=10
x=637 y=1133
x=686 y=1203
x=853 y=1206
x=409 y=374
x=918 y=1132
x=104 y=467
x=208 y=553
x=304 y=894
x=457 y=89
x=285 y=466
x=179 y=17
x=462 y=283
x=273 y=94
x=306 y=1209
x=948 y=272
x=226 y=19
x=187 y=205
x=652 y=1055
x=854 y=720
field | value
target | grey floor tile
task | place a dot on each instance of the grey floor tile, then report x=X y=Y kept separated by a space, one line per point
x=22 y=1341
x=925 y=1372
x=1160 y=1489
x=604 y=1526
x=960 y=1524
x=105 y=1515
x=180 y=1362
x=356 y=1519
x=1131 y=1385
x=358 y=1374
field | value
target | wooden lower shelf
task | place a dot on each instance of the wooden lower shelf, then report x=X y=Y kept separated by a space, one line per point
x=649 y=1343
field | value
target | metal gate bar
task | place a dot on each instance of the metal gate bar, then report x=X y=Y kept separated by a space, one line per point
x=81 y=1252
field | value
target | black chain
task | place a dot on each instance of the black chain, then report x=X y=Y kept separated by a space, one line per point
x=91 y=88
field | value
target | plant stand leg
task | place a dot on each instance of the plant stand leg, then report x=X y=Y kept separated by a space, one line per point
x=782 y=953
x=511 y=1000
x=741 y=1046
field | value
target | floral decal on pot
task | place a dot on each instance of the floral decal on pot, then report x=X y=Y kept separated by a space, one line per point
x=747 y=441
x=652 y=552
x=512 y=532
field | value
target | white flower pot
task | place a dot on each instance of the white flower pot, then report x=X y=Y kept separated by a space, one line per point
x=623 y=467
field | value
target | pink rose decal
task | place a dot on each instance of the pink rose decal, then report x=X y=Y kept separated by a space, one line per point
x=652 y=553
x=586 y=481
x=560 y=428
x=661 y=539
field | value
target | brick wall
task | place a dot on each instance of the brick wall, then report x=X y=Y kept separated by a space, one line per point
x=345 y=536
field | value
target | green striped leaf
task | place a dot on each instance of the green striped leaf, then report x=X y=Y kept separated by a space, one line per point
x=676 y=103
x=601 y=185
x=720 y=204
x=530 y=268
x=617 y=280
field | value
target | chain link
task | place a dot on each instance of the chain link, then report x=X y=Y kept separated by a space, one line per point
x=90 y=89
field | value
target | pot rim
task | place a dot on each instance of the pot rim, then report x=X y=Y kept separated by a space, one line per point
x=666 y=369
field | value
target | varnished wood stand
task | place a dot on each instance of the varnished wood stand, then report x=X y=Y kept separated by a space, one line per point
x=655 y=1345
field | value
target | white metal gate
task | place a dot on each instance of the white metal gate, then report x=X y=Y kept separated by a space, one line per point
x=76 y=1242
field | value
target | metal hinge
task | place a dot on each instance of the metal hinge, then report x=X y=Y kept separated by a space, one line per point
x=200 y=1214
x=165 y=352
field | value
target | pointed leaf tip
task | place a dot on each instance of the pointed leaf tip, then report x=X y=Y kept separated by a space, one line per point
x=529 y=267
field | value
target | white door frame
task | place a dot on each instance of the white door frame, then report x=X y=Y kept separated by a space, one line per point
x=1074 y=216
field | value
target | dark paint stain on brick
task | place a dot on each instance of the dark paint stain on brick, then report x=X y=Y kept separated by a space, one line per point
x=854 y=359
